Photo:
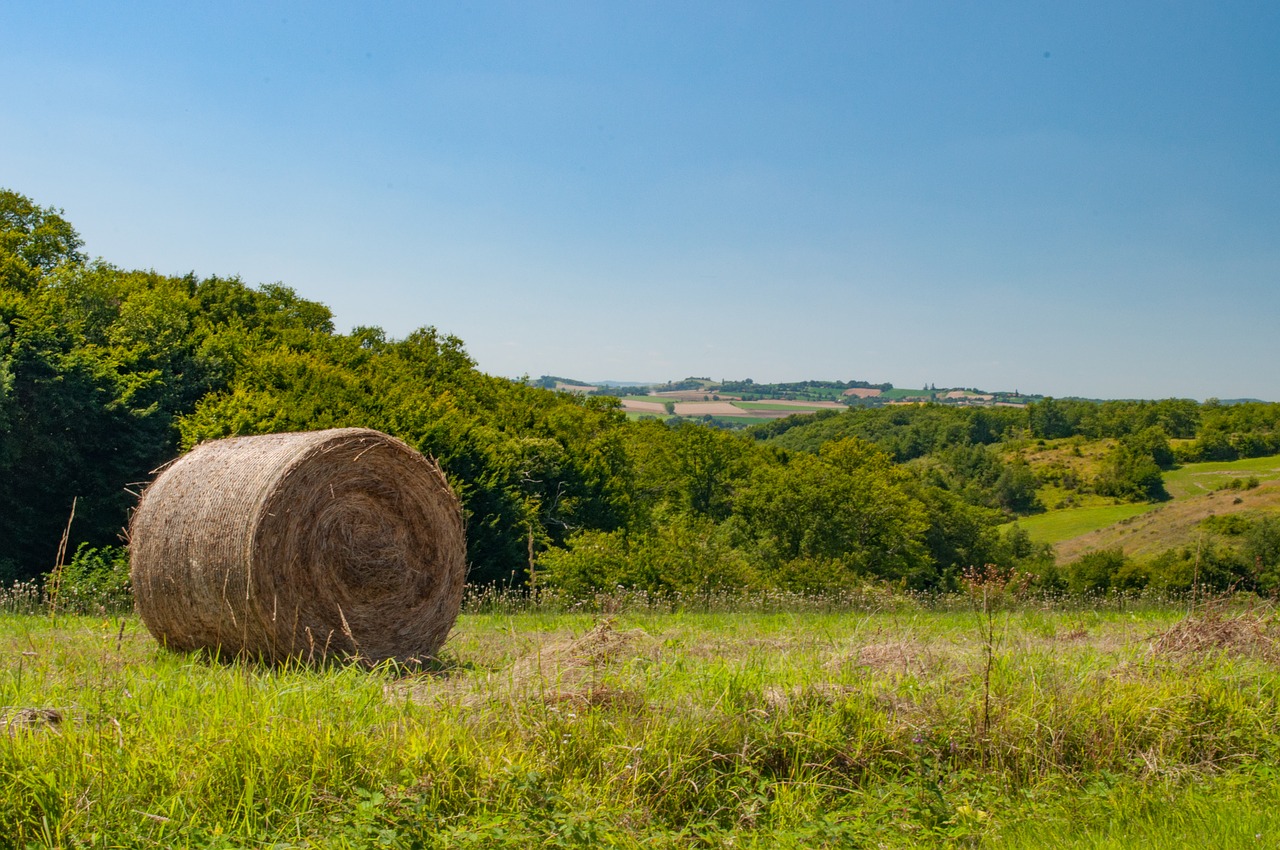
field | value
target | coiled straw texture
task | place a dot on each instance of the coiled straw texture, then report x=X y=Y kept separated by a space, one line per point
x=300 y=546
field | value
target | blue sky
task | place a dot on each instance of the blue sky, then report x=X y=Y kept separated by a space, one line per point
x=1072 y=199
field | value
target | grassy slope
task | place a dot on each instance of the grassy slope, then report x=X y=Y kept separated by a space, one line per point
x=1195 y=479
x=1057 y=526
x=1145 y=529
x=661 y=730
x=1173 y=524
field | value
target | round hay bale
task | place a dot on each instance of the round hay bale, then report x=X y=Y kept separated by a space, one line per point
x=299 y=546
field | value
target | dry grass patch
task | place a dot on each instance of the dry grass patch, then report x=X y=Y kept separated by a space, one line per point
x=903 y=656
x=710 y=408
x=1249 y=633
x=554 y=669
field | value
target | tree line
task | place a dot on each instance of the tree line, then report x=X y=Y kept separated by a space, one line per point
x=108 y=373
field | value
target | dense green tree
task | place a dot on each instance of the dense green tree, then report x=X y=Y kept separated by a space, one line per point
x=1129 y=473
x=1048 y=420
x=983 y=476
x=1152 y=442
x=34 y=241
x=849 y=504
x=1261 y=550
x=905 y=432
x=1094 y=572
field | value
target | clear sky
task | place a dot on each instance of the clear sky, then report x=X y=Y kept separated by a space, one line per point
x=1064 y=198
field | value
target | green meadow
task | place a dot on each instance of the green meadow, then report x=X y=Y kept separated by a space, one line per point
x=1196 y=479
x=895 y=723
x=1185 y=482
x=1057 y=526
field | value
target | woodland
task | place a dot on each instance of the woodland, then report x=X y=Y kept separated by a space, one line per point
x=107 y=373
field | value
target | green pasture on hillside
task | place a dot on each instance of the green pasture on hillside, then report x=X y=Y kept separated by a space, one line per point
x=1195 y=479
x=898 y=393
x=1189 y=480
x=1056 y=526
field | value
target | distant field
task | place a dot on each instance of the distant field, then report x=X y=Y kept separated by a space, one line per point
x=1196 y=478
x=689 y=395
x=747 y=420
x=793 y=406
x=901 y=393
x=706 y=408
x=638 y=406
x=738 y=413
x=1193 y=482
x=1056 y=526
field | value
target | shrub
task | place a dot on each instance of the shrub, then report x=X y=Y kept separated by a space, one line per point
x=1205 y=567
x=1095 y=571
x=96 y=580
x=683 y=554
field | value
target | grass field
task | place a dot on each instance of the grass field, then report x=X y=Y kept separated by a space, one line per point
x=859 y=728
x=1174 y=524
x=797 y=407
x=1188 y=482
x=1056 y=526
x=1194 y=479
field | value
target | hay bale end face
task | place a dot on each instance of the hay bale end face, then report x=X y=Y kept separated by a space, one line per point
x=298 y=546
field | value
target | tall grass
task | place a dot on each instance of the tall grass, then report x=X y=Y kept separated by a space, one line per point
x=655 y=727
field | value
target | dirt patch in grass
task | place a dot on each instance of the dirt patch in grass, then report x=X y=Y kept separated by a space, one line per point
x=899 y=657
x=14 y=720
x=709 y=408
x=643 y=406
x=601 y=646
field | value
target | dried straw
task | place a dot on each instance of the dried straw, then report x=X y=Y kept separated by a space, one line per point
x=300 y=545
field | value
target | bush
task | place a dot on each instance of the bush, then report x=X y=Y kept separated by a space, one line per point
x=1262 y=550
x=95 y=581
x=1206 y=567
x=1095 y=572
x=1131 y=475
x=683 y=554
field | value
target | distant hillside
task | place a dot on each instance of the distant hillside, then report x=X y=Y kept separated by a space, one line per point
x=1174 y=524
x=1199 y=491
x=854 y=393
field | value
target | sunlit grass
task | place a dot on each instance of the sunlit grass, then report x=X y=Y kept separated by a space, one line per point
x=1187 y=481
x=853 y=727
x=1056 y=526
x=1195 y=479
